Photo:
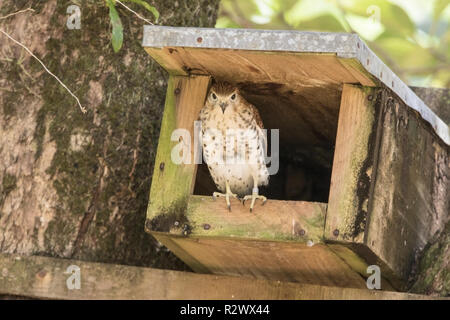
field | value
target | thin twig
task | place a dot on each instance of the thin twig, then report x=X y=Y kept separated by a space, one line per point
x=137 y=14
x=14 y=13
x=46 y=69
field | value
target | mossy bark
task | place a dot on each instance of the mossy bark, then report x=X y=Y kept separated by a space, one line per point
x=81 y=182
x=434 y=267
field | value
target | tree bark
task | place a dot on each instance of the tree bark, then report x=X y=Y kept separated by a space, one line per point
x=433 y=269
x=75 y=185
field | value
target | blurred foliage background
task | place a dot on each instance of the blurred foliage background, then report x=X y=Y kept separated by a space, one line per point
x=411 y=36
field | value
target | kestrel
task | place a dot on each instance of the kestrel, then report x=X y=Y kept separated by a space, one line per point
x=234 y=144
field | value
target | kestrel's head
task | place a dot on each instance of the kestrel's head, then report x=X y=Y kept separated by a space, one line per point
x=223 y=95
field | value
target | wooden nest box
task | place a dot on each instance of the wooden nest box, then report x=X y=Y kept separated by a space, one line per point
x=360 y=159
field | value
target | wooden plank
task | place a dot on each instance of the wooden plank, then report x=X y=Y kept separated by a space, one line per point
x=172 y=183
x=410 y=200
x=163 y=58
x=274 y=260
x=390 y=184
x=276 y=220
x=358 y=71
x=167 y=240
x=44 y=278
x=352 y=165
x=359 y=257
x=260 y=66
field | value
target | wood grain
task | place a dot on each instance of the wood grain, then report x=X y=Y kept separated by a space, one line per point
x=44 y=278
x=357 y=70
x=276 y=220
x=242 y=65
x=410 y=201
x=389 y=186
x=352 y=166
x=274 y=260
x=172 y=183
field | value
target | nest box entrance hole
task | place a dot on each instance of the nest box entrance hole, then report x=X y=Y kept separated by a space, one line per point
x=307 y=118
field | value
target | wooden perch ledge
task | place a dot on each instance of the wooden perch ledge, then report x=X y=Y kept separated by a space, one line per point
x=45 y=278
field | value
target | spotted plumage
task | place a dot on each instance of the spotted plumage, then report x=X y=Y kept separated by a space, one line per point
x=233 y=142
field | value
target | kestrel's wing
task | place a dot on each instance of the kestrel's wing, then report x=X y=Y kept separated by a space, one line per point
x=259 y=125
x=256 y=115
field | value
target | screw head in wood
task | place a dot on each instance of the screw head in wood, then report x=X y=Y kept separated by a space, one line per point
x=199 y=39
x=161 y=166
x=370 y=97
x=177 y=91
x=336 y=232
x=176 y=223
x=206 y=226
x=301 y=232
x=42 y=273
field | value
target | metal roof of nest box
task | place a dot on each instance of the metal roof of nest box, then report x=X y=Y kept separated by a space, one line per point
x=361 y=64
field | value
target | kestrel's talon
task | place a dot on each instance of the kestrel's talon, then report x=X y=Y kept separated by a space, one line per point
x=227 y=196
x=254 y=196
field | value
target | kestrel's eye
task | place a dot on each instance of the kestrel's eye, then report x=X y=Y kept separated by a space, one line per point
x=233 y=96
x=213 y=95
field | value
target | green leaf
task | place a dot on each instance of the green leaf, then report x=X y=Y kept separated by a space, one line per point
x=147 y=6
x=285 y=5
x=225 y=22
x=439 y=6
x=405 y=53
x=390 y=15
x=318 y=15
x=117 y=28
x=326 y=22
x=246 y=9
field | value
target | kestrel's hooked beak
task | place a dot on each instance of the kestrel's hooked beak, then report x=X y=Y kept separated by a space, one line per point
x=223 y=106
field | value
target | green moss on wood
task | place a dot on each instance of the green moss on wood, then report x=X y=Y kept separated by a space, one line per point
x=200 y=212
x=355 y=190
x=170 y=182
x=434 y=267
x=105 y=182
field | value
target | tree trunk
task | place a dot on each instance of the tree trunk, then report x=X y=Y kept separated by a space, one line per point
x=75 y=185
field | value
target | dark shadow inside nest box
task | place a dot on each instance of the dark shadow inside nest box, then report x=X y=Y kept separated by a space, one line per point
x=307 y=118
